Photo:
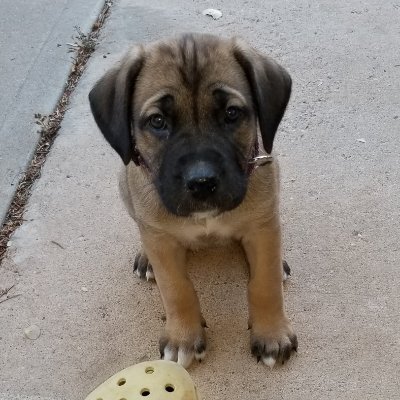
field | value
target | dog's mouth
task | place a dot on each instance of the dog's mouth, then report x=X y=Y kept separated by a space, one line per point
x=206 y=214
x=201 y=184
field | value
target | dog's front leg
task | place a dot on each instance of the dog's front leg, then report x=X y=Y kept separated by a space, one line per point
x=272 y=337
x=184 y=337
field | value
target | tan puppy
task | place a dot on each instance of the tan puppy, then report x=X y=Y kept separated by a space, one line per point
x=183 y=114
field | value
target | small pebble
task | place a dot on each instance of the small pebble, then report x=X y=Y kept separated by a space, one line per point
x=84 y=289
x=32 y=332
x=215 y=14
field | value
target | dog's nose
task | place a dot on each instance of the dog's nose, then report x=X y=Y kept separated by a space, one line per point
x=201 y=180
x=202 y=187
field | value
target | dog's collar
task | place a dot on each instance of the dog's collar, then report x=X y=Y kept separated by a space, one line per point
x=259 y=161
x=256 y=160
x=138 y=159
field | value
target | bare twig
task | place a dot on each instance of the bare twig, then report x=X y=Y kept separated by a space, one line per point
x=9 y=297
x=83 y=42
x=57 y=244
x=4 y=292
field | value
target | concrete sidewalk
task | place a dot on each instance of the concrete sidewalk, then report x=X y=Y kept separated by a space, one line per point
x=35 y=64
x=71 y=261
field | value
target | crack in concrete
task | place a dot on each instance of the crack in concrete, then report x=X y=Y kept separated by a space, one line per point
x=50 y=126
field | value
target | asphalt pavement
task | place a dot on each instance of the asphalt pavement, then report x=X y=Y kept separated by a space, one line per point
x=338 y=145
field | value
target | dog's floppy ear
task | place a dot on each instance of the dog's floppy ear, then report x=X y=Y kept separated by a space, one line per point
x=270 y=86
x=111 y=104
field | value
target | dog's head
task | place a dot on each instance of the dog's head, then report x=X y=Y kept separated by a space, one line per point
x=187 y=110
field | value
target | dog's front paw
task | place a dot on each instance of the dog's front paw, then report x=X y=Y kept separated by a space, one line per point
x=142 y=268
x=273 y=342
x=183 y=344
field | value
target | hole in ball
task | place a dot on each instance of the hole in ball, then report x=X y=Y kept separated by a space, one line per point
x=149 y=370
x=121 y=382
x=145 y=392
x=169 y=388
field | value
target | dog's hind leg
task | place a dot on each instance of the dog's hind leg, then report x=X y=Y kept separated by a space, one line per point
x=286 y=271
x=141 y=266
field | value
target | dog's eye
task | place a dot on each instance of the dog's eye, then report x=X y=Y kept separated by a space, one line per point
x=232 y=114
x=158 y=122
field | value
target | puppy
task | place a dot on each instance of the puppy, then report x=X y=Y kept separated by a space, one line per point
x=187 y=116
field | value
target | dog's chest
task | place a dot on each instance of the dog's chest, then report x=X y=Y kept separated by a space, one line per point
x=205 y=231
